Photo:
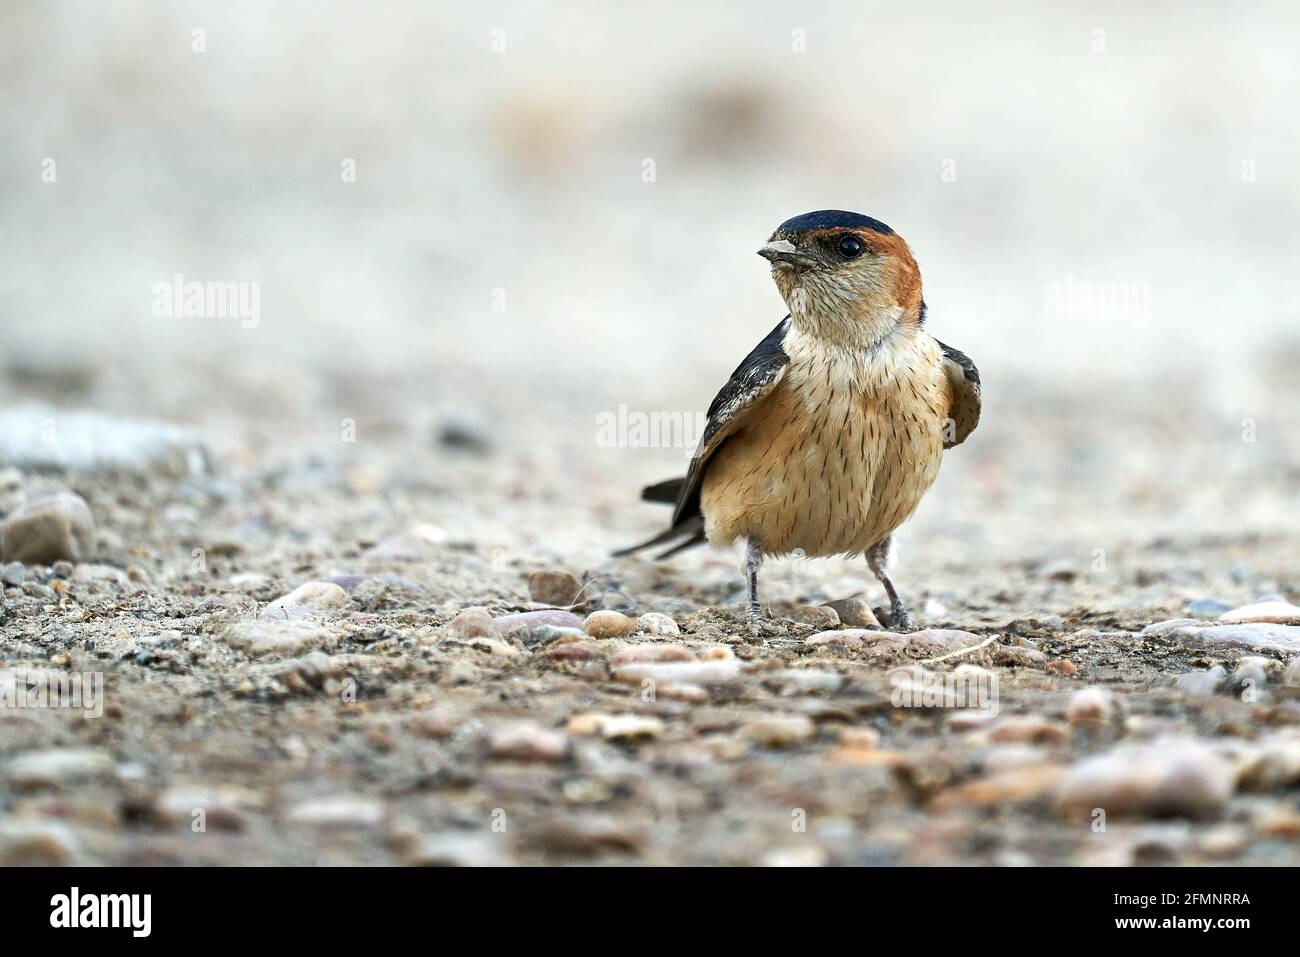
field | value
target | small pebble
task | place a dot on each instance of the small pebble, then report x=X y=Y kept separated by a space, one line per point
x=1169 y=777
x=39 y=843
x=495 y=647
x=677 y=673
x=799 y=855
x=609 y=624
x=1029 y=729
x=688 y=693
x=586 y=723
x=654 y=623
x=819 y=616
x=855 y=613
x=1223 y=840
x=179 y=805
x=550 y=587
x=311 y=598
x=586 y=835
x=456 y=850
x=342 y=811
x=58 y=766
x=269 y=637
x=1257 y=636
x=527 y=741
x=54 y=527
x=630 y=727
x=1202 y=684
x=544 y=635
x=843 y=638
x=1274 y=612
x=1014 y=785
x=1095 y=706
x=651 y=652
x=433 y=723
x=472 y=623
x=866 y=738
x=779 y=732
x=1250 y=674
x=528 y=620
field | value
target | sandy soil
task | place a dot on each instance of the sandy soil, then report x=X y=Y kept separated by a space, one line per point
x=1105 y=223
x=377 y=733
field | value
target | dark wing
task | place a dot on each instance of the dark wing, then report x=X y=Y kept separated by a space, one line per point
x=964 y=382
x=753 y=380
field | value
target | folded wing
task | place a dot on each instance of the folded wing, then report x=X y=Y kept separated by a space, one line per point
x=964 y=384
x=753 y=380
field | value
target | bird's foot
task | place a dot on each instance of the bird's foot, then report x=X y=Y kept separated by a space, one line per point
x=895 y=618
x=758 y=625
x=900 y=620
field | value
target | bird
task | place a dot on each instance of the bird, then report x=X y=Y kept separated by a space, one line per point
x=829 y=433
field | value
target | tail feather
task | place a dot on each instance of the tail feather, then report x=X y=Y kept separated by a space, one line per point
x=667 y=492
x=692 y=530
x=696 y=539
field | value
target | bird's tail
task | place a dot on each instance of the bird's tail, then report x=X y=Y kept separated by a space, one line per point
x=667 y=492
x=691 y=530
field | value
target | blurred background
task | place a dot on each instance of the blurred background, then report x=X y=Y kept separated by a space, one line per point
x=503 y=220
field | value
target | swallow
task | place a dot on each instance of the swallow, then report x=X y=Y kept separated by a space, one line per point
x=830 y=432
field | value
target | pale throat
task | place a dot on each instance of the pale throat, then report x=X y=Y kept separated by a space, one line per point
x=849 y=314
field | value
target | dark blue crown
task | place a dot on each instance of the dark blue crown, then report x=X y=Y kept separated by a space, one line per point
x=831 y=219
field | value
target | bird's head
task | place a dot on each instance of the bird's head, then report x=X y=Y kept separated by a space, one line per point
x=845 y=276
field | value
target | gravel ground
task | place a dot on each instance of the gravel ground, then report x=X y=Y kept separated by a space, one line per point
x=395 y=712
x=285 y=539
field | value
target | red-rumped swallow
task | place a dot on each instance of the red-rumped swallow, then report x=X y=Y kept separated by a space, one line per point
x=829 y=433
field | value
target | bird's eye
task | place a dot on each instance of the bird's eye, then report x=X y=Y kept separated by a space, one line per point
x=850 y=247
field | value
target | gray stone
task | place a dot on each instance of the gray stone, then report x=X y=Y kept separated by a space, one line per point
x=258 y=638
x=1202 y=684
x=55 y=527
x=1208 y=607
x=457 y=850
x=308 y=599
x=1252 y=636
x=13 y=573
x=57 y=766
x=535 y=619
x=1176 y=777
x=340 y=810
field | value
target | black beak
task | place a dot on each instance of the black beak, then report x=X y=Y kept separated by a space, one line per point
x=784 y=251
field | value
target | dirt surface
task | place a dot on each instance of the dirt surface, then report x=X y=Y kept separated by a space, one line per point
x=382 y=731
x=490 y=247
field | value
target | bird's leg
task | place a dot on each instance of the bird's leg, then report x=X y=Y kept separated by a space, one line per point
x=878 y=560
x=753 y=559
